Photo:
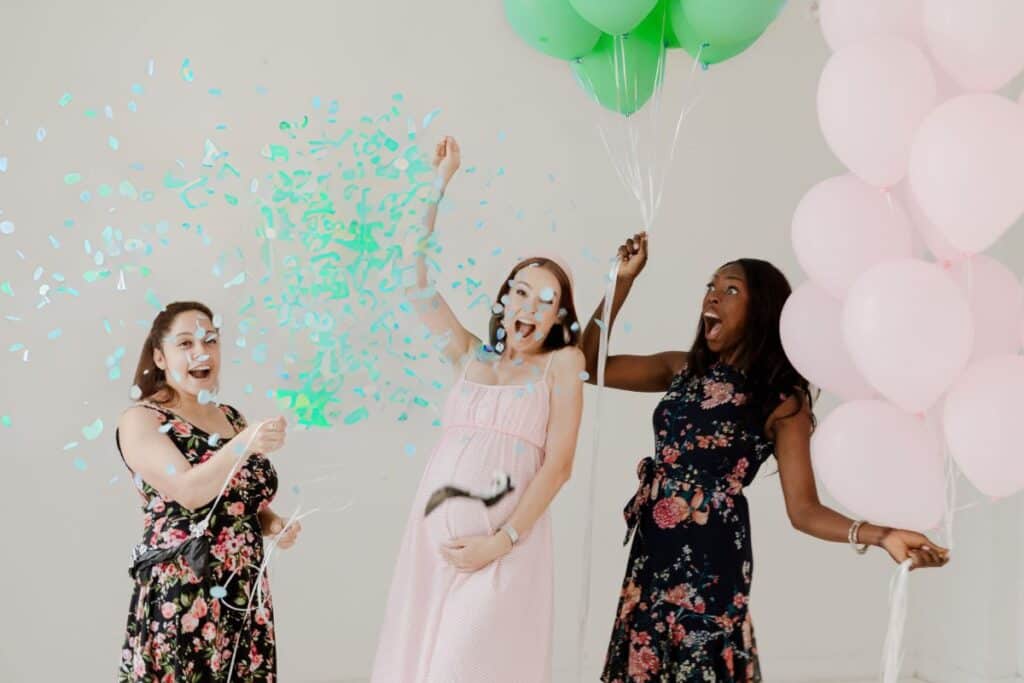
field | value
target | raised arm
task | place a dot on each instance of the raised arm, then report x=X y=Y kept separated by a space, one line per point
x=652 y=372
x=151 y=455
x=430 y=305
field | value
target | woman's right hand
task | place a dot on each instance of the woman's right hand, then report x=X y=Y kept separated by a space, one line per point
x=633 y=256
x=447 y=158
x=267 y=436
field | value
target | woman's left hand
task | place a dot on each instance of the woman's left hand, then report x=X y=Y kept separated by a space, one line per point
x=291 y=534
x=902 y=545
x=474 y=552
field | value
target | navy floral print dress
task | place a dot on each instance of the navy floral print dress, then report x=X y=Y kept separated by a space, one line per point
x=683 y=613
x=190 y=619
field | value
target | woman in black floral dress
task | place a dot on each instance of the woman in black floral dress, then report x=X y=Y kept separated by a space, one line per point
x=732 y=401
x=201 y=609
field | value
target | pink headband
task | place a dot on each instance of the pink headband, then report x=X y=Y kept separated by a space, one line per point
x=558 y=261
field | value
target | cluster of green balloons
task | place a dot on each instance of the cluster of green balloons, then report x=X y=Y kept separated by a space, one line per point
x=617 y=47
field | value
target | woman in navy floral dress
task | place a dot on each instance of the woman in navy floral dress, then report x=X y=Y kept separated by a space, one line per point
x=200 y=609
x=732 y=402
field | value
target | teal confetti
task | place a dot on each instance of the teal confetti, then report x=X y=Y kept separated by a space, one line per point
x=72 y=178
x=152 y=299
x=356 y=415
x=186 y=71
x=80 y=464
x=65 y=99
x=54 y=334
x=429 y=118
x=92 y=431
x=113 y=143
x=5 y=420
x=71 y=445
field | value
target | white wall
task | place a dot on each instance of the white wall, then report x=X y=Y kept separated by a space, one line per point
x=751 y=149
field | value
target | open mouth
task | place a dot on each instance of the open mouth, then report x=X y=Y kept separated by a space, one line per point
x=524 y=328
x=712 y=326
x=200 y=373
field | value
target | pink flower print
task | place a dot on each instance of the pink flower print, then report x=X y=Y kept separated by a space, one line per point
x=168 y=610
x=670 y=512
x=642 y=663
x=630 y=599
x=717 y=394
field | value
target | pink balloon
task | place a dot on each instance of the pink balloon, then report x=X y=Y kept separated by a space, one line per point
x=983 y=415
x=842 y=227
x=882 y=464
x=937 y=244
x=812 y=336
x=967 y=169
x=997 y=305
x=909 y=331
x=871 y=99
x=844 y=23
x=980 y=43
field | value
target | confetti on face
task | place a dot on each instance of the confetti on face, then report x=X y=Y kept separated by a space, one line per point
x=547 y=295
x=205 y=397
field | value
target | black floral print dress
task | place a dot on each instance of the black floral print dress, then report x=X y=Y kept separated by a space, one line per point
x=683 y=614
x=191 y=617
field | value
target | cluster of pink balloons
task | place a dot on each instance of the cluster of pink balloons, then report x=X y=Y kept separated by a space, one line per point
x=923 y=351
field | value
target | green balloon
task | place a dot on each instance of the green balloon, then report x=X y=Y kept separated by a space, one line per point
x=552 y=26
x=622 y=72
x=730 y=22
x=710 y=52
x=614 y=16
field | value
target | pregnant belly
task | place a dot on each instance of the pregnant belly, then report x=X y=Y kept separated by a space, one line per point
x=473 y=469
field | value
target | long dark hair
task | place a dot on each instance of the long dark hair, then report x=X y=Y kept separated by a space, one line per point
x=151 y=380
x=760 y=354
x=566 y=333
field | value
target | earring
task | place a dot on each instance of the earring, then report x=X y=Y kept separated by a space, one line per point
x=565 y=334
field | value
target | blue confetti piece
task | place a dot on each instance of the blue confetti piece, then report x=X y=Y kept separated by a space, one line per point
x=410 y=449
x=429 y=118
x=218 y=592
x=171 y=470
x=113 y=143
x=316 y=102
x=54 y=334
x=150 y=67
x=41 y=134
x=136 y=88
x=3 y=164
x=80 y=464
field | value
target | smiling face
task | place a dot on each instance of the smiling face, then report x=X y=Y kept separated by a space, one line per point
x=530 y=309
x=724 y=311
x=189 y=354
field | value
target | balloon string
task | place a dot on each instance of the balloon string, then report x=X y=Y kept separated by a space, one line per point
x=892 y=653
x=588 y=534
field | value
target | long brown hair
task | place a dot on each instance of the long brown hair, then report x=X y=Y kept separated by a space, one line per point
x=567 y=332
x=151 y=380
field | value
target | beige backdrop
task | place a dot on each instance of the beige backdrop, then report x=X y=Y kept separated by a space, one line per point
x=751 y=150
